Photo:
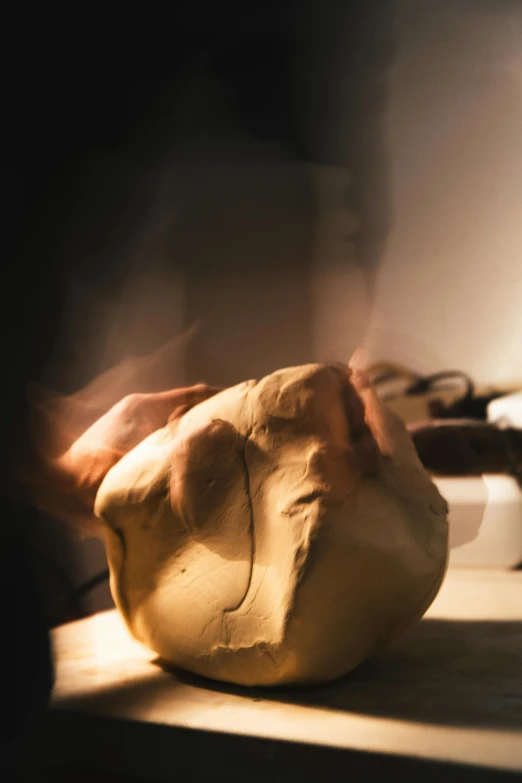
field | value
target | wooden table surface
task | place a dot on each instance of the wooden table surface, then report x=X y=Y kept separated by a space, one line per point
x=447 y=697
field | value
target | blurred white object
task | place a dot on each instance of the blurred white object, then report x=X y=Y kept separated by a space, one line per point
x=507 y=409
x=485 y=521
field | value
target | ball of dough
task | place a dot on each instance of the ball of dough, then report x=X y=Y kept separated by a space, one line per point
x=280 y=532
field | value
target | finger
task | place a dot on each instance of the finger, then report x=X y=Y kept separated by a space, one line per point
x=155 y=410
x=190 y=395
x=178 y=412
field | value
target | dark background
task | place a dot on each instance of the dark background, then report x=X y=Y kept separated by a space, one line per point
x=239 y=102
x=89 y=99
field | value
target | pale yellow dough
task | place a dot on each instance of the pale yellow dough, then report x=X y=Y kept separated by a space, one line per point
x=281 y=532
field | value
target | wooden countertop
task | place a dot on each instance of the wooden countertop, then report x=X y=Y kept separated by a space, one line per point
x=448 y=693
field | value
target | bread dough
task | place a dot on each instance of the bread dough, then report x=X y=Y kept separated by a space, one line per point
x=280 y=532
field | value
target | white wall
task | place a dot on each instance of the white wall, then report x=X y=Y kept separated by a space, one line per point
x=449 y=288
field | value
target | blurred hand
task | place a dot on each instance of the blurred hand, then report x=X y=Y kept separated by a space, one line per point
x=72 y=480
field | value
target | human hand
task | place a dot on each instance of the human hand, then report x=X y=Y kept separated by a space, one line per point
x=72 y=480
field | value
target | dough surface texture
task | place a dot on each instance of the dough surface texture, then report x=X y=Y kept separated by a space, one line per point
x=280 y=532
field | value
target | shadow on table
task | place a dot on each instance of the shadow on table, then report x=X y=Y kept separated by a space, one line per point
x=441 y=672
x=457 y=673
